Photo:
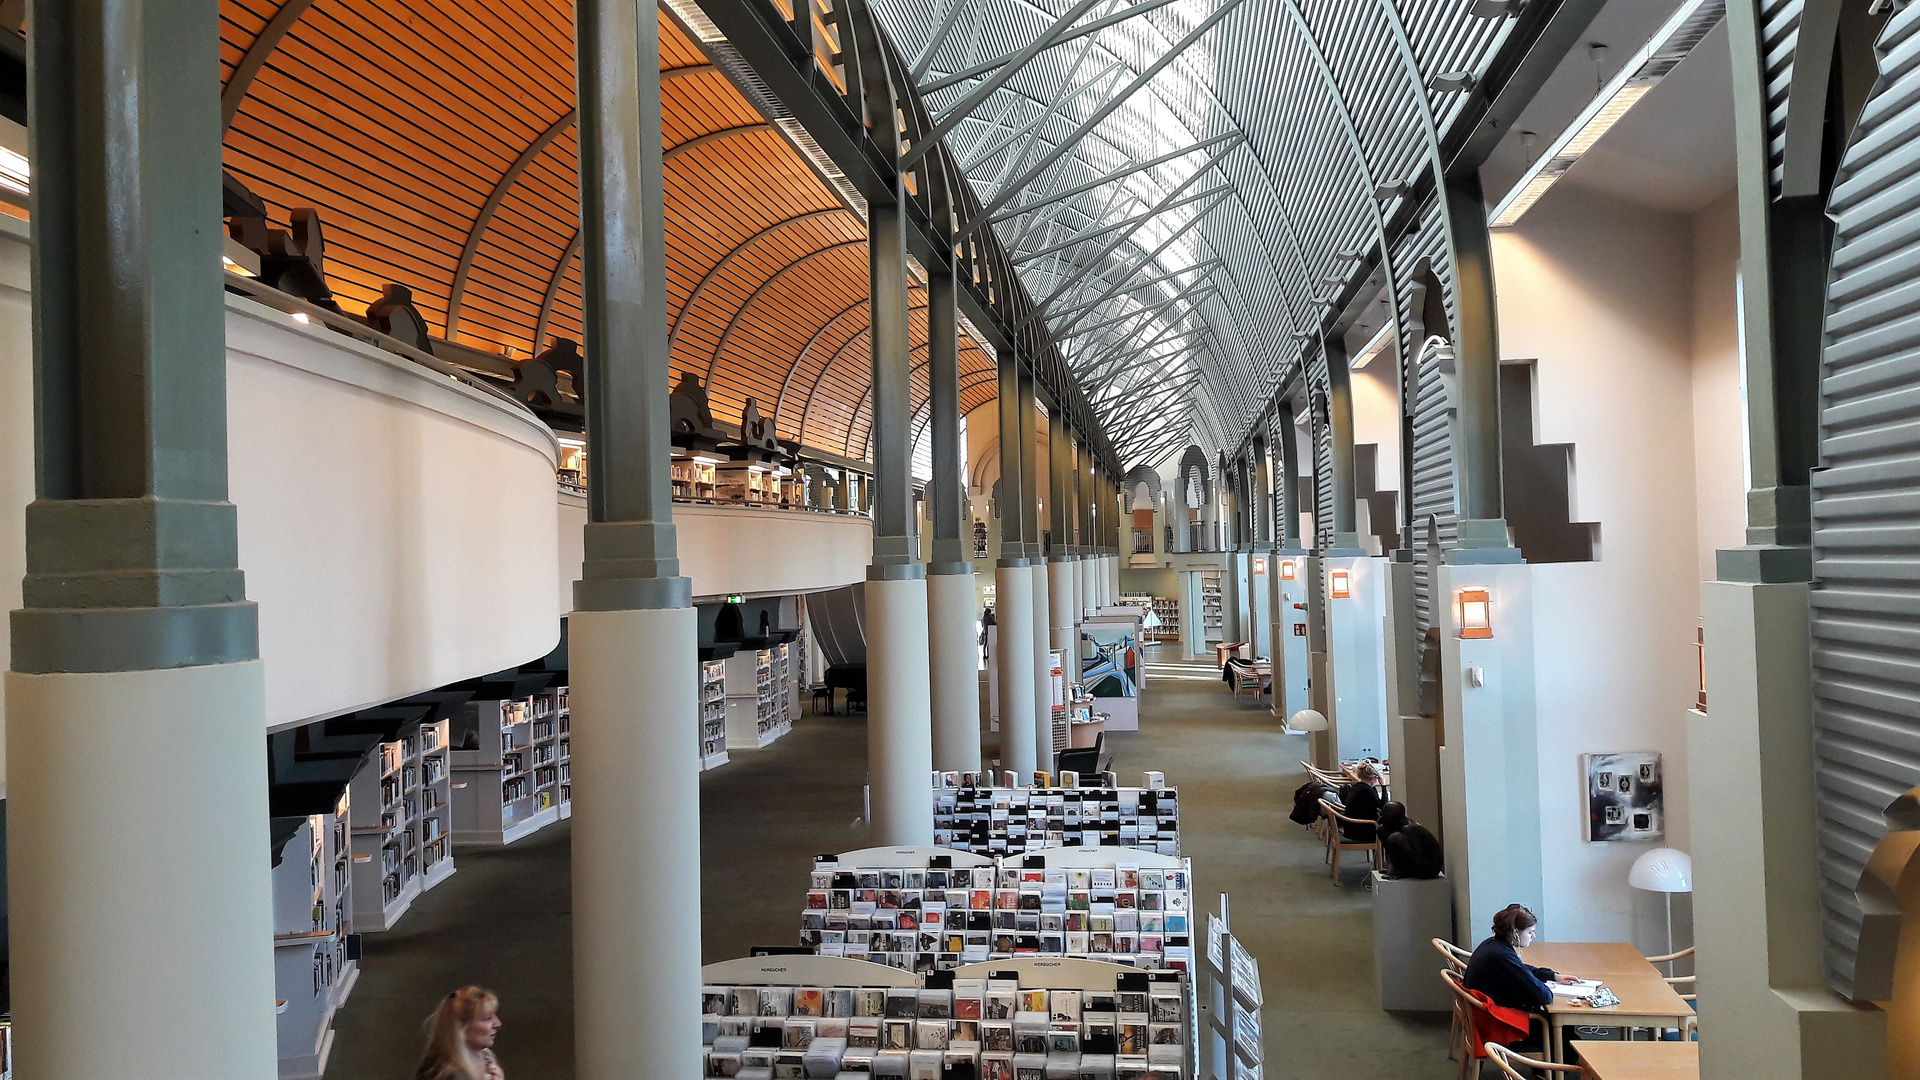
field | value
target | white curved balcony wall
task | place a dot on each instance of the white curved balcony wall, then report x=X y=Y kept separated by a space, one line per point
x=395 y=525
x=755 y=552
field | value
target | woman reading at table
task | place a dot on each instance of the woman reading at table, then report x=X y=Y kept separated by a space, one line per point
x=1497 y=971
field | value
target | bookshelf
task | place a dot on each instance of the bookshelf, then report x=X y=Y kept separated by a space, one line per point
x=402 y=815
x=923 y=909
x=312 y=918
x=826 y=1016
x=1011 y=821
x=762 y=696
x=1167 y=610
x=512 y=768
x=1212 y=621
x=713 y=714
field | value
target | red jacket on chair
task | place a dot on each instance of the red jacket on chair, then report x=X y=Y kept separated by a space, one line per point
x=1497 y=1023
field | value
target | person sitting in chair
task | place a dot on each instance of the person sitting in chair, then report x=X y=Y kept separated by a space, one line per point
x=1411 y=850
x=1361 y=799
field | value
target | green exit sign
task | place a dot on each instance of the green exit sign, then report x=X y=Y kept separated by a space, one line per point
x=736 y=598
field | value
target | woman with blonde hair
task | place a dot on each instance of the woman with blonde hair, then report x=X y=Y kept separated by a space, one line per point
x=460 y=1038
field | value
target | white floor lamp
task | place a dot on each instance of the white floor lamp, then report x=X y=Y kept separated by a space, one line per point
x=1663 y=870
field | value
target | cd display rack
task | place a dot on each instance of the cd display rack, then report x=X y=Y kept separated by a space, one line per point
x=925 y=913
x=713 y=714
x=513 y=768
x=402 y=821
x=312 y=916
x=1009 y=821
x=821 y=1016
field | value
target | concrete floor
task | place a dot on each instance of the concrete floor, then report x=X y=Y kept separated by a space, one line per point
x=503 y=920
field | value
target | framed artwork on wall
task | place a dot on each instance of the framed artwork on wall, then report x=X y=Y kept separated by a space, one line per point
x=1624 y=797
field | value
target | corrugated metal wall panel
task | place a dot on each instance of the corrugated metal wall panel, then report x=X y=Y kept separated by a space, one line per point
x=1432 y=482
x=1780 y=32
x=1866 y=499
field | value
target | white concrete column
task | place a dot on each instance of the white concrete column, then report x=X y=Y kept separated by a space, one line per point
x=1013 y=664
x=953 y=675
x=1413 y=743
x=899 y=715
x=1261 y=597
x=1756 y=900
x=1356 y=661
x=139 y=893
x=1083 y=585
x=1290 y=659
x=1061 y=577
x=1489 y=767
x=636 y=839
x=1042 y=707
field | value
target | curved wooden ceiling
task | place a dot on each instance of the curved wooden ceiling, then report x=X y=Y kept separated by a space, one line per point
x=435 y=138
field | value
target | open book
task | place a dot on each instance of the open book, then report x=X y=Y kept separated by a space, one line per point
x=1578 y=988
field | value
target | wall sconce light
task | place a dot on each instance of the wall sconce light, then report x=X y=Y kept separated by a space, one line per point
x=1260 y=567
x=1287 y=570
x=1340 y=584
x=1476 y=614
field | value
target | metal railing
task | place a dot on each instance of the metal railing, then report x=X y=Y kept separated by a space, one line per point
x=302 y=311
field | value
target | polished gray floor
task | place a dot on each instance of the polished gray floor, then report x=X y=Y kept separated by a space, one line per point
x=503 y=919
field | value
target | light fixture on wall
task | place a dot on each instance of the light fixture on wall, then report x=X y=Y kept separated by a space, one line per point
x=1641 y=73
x=1340 y=584
x=1259 y=567
x=1476 y=613
x=1287 y=570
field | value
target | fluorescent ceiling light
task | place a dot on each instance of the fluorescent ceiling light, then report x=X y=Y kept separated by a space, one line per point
x=1376 y=345
x=1641 y=73
x=13 y=170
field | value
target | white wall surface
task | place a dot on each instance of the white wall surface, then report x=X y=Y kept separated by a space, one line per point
x=739 y=550
x=1602 y=296
x=1719 y=430
x=395 y=526
x=16 y=425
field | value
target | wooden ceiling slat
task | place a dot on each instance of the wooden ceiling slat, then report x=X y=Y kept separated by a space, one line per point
x=397 y=121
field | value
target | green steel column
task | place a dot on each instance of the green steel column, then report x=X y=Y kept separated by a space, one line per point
x=1346 y=537
x=140 y=900
x=632 y=634
x=1477 y=358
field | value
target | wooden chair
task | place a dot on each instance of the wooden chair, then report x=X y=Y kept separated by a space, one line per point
x=1456 y=959
x=1511 y=1063
x=1245 y=680
x=1337 y=843
x=1467 y=1006
x=1685 y=986
x=1668 y=959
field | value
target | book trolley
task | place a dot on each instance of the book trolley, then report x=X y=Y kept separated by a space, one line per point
x=924 y=909
x=1021 y=1019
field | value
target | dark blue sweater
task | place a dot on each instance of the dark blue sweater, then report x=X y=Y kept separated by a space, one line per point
x=1497 y=971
